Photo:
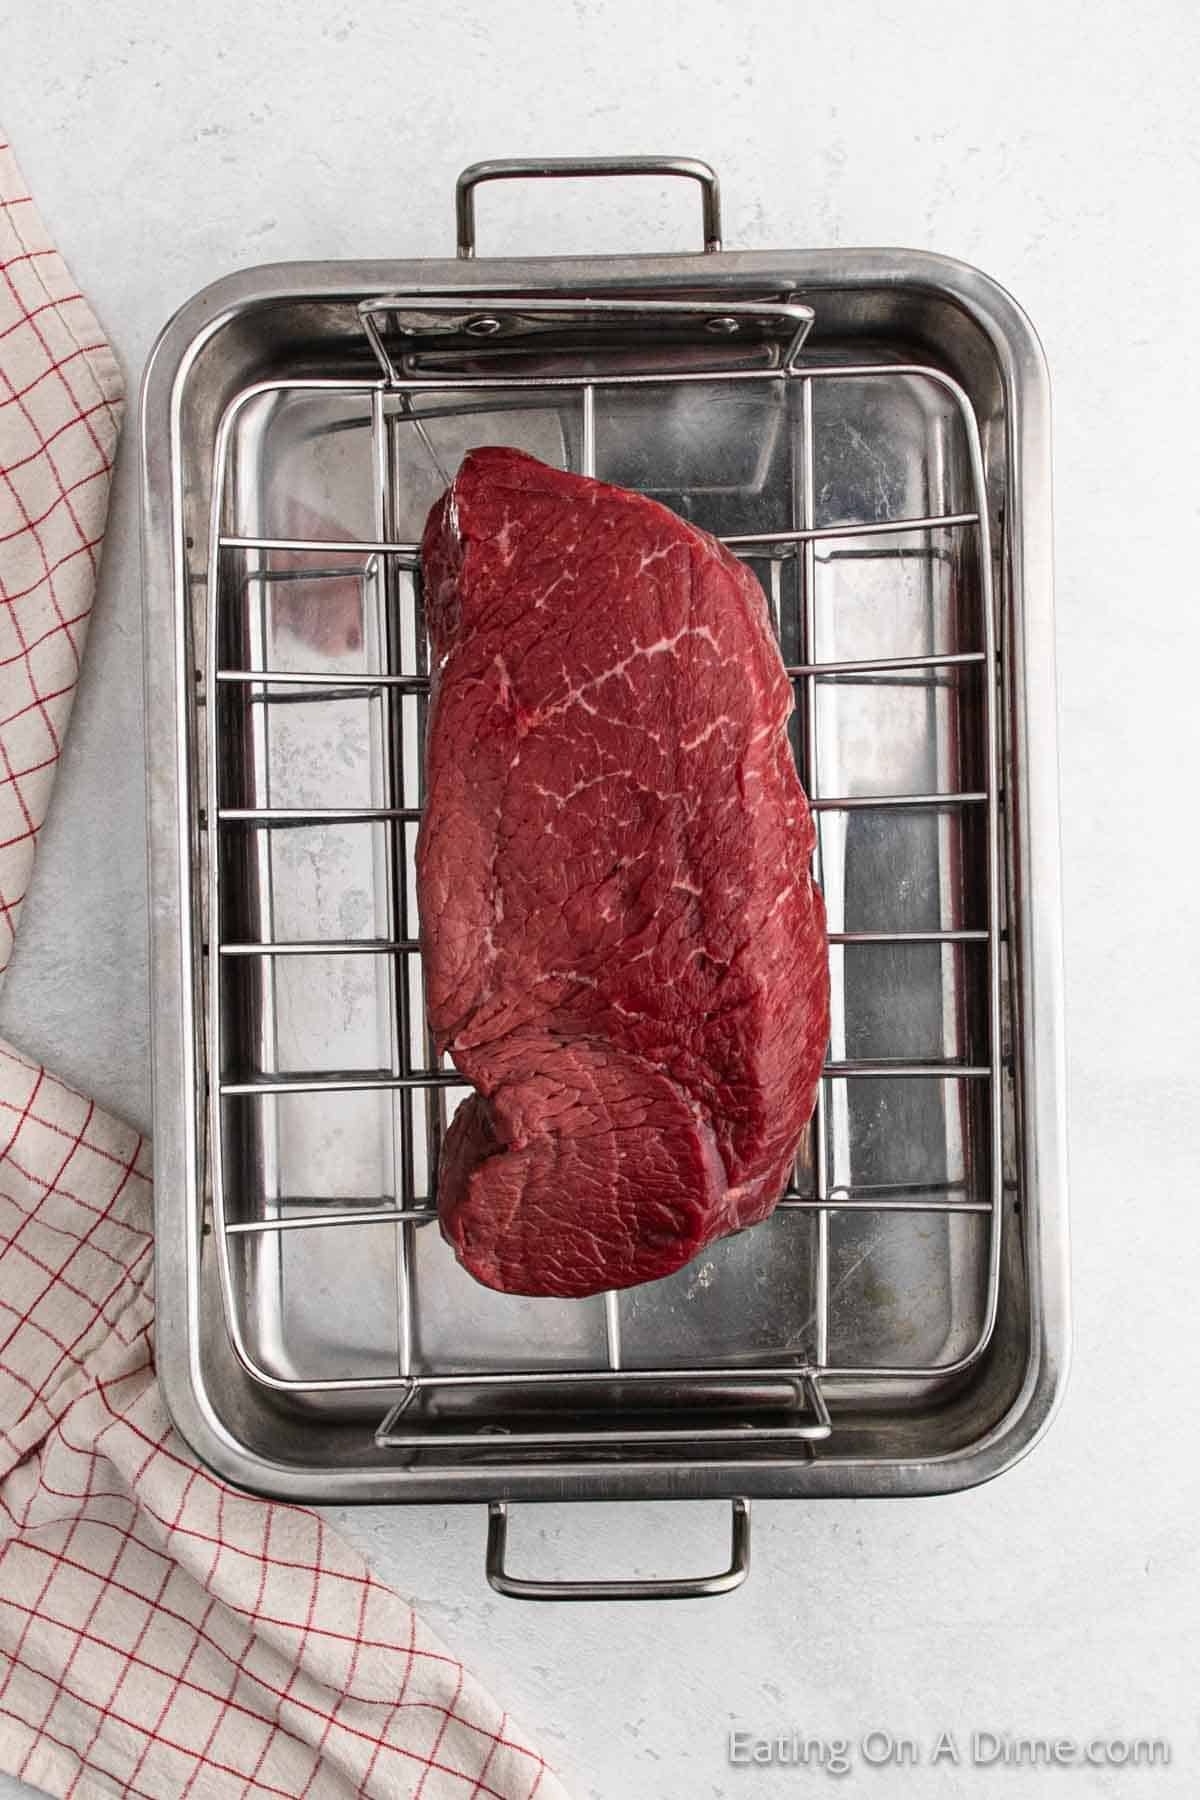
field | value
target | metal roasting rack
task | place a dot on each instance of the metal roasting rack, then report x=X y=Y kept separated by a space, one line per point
x=866 y=430
x=415 y=1210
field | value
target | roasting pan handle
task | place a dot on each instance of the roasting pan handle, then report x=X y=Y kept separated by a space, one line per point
x=694 y=1587
x=528 y=168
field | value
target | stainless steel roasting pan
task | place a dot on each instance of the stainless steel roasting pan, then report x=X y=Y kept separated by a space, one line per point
x=870 y=430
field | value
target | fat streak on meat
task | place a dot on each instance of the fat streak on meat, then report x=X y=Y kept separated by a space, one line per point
x=624 y=950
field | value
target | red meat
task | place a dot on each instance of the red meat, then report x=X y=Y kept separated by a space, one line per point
x=624 y=950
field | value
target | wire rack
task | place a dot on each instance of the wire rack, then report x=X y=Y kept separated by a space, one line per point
x=245 y=1198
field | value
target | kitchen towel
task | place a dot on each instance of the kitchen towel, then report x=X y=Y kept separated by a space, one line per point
x=161 y=1635
x=60 y=412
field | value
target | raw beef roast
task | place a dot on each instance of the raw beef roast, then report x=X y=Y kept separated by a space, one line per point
x=624 y=951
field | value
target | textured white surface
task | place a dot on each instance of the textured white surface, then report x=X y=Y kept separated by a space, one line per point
x=1057 y=147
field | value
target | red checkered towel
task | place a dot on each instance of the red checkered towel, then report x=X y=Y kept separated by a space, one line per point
x=161 y=1635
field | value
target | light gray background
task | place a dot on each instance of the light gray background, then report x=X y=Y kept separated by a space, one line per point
x=1056 y=145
